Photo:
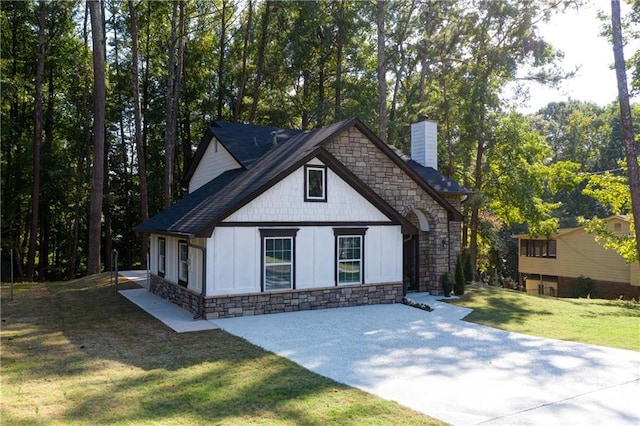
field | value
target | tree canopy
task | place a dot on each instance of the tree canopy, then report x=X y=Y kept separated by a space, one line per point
x=173 y=67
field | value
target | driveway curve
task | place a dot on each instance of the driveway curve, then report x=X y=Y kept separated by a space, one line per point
x=459 y=372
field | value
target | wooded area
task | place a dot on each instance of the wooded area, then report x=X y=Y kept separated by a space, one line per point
x=104 y=102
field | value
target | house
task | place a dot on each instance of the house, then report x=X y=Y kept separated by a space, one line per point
x=280 y=220
x=551 y=266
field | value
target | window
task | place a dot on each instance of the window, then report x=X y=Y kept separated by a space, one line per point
x=183 y=263
x=315 y=183
x=278 y=259
x=538 y=248
x=162 y=256
x=349 y=255
x=617 y=227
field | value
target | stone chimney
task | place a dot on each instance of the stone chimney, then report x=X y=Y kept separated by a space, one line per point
x=424 y=142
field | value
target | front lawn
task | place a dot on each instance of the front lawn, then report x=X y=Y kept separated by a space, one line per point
x=76 y=353
x=613 y=323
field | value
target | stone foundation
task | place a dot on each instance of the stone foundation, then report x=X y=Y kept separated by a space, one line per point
x=174 y=293
x=281 y=301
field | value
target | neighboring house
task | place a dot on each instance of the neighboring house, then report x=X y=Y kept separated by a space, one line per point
x=281 y=220
x=551 y=266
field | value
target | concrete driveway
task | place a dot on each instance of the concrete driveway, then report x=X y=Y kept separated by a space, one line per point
x=462 y=373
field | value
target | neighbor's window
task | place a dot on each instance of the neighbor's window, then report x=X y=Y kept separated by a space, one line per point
x=538 y=248
x=183 y=267
x=278 y=259
x=349 y=255
x=162 y=256
x=315 y=183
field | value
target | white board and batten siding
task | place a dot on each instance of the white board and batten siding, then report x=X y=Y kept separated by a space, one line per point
x=235 y=251
x=216 y=161
x=194 y=281
x=236 y=258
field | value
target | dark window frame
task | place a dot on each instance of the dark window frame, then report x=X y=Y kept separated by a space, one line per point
x=307 y=197
x=276 y=233
x=346 y=233
x=535 y=247
x=162 y=256
x=183 y=282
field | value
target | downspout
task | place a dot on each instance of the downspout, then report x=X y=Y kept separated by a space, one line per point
x=203 y=290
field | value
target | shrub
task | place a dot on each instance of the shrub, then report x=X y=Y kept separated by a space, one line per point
x=447 y=283
x=468 y=267
x=583 y=287
x=458 y=285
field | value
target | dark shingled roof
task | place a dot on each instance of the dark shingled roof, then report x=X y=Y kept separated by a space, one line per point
x=437 y=180
x=434 y=178
x=198 y=212
x=264 y=165
x=247 y=142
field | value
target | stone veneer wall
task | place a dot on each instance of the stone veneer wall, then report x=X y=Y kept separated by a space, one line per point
x=174 y=293
x=276 y=302
x=390 y=182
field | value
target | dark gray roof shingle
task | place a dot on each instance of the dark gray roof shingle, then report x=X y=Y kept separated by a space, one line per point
x=264 y=164
x=197 y=213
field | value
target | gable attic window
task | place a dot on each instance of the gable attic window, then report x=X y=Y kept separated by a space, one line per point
x=349 y=256
x=162 y=256
x=278 y=259
x=315 y=183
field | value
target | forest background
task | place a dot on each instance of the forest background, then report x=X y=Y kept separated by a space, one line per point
x=104 y=102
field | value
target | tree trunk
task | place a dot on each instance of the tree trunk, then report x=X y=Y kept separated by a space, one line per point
x=223 y=44
x=84 y=121
x=625 y=118
x=170 y=132
x=37 y=142
x=260 y=65
x=99 y=100
x=382 y=74
x=340 y=40
x=243 y=74
x=137 y=116
x=176 y=60
x=45 y=198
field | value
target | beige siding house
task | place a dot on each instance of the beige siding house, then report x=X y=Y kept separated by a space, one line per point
x=551 y=266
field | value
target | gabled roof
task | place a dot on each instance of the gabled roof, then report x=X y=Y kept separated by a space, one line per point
x=245 y=142
x=200 y=211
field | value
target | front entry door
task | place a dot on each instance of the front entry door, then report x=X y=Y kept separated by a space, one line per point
x=410 y=261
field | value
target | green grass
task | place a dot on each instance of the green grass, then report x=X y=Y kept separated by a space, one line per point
x=613 y=323
x=76 y=353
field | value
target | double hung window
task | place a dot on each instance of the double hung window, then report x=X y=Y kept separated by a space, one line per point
x=278 y=259
x=349 y=255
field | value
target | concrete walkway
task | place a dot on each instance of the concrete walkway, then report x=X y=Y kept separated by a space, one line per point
x=171 y=315
x=435 y=363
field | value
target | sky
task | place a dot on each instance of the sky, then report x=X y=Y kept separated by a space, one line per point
x=576 y=33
